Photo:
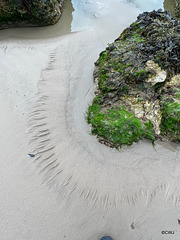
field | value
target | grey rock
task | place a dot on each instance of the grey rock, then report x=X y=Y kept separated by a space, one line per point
x=173 y=6
x=25 y=13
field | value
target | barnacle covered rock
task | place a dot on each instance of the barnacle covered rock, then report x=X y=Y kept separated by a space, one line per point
x=138 y=83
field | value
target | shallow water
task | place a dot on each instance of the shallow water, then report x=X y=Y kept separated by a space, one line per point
x=111 y=17
x=90 y=10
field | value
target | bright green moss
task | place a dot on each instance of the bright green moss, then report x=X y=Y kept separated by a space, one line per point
x=119 y=66
x=117 y=126
x=135 y=24
x=170 y=123
x=103 y=82
x=140 y=75
x=178 y=95
x=102 y=58
x=138 y=37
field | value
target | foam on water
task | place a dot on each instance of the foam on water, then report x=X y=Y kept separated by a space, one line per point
x=87 y=12
x=148 y=5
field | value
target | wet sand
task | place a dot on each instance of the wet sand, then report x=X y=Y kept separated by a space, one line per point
x=74 y=187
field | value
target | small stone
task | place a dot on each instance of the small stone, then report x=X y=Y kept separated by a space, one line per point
x=106 y=238
x=31 y=155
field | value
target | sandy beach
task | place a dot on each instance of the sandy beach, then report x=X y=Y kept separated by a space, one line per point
x=73 y=187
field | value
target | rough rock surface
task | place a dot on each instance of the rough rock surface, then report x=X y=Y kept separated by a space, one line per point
x=138 y=83
x=22 y=13
x=173 y=6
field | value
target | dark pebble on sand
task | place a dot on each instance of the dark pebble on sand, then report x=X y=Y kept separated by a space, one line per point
x=31 y=155
x=106 y=238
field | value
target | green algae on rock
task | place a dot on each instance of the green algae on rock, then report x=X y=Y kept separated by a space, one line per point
x=24 y=13
x=138 y=83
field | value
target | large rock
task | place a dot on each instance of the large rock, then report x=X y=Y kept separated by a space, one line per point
x=22 y=13
x=138 y=83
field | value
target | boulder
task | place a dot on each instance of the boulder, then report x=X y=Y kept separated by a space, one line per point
x=138 y=83
x=25 y=13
